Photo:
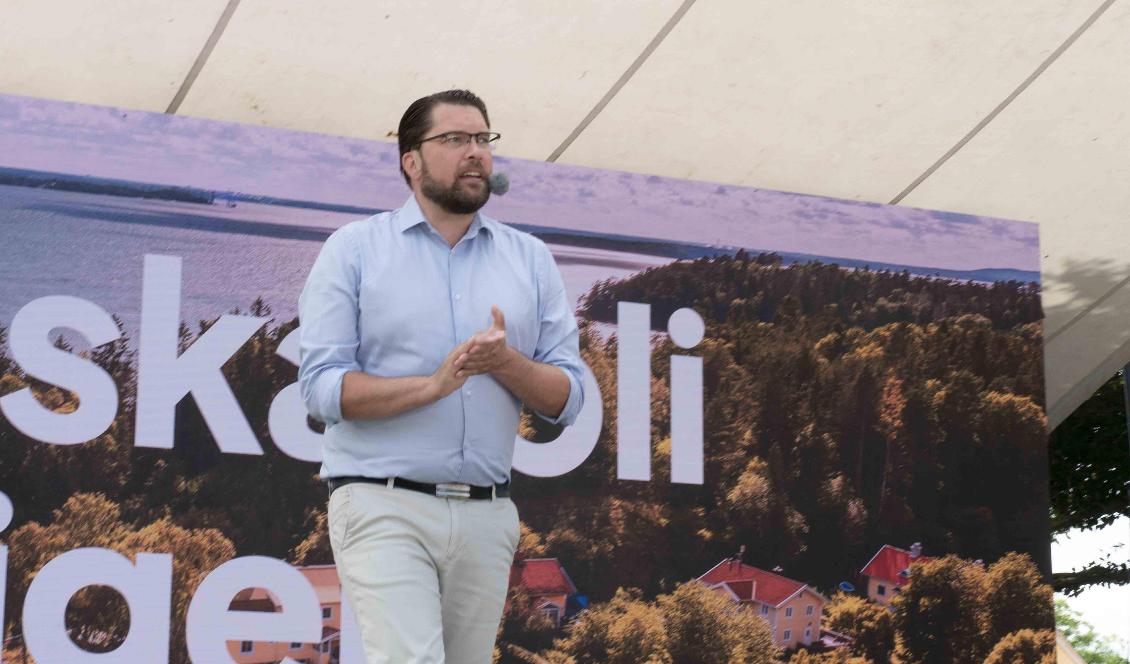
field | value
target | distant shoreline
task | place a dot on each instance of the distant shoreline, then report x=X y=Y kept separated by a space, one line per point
x=551 y=235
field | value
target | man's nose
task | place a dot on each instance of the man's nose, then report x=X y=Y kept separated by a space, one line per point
x=475 y=150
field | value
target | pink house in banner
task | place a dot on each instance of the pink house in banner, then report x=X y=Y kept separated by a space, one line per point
x=327 y=587
x=793 y=609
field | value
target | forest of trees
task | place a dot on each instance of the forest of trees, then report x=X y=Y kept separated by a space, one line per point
x=839 y=417
x=845 y=409
x=955 y=611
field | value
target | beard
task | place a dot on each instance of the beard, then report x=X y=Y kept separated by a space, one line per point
x=453 y=199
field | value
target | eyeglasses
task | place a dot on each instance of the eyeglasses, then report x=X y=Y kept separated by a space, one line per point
x=461 y=139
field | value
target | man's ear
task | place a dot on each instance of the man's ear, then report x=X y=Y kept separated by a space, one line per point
x=409 y=162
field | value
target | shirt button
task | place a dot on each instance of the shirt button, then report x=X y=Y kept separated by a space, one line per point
x=458 y=296
x=466 y=393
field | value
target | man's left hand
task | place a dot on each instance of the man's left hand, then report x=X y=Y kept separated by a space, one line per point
x=486 y=350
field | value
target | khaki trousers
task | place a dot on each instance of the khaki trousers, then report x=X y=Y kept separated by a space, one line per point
x=426 y=576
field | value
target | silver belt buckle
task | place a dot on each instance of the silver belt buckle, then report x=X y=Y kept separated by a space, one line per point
x=453 y=490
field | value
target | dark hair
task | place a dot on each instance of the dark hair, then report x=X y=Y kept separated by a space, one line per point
x=417 y=119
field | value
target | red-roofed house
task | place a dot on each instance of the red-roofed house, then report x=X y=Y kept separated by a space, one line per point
x=792 y=609
x=889 y=570
x=547 y=583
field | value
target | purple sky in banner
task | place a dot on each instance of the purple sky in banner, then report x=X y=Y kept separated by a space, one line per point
x=152 y=147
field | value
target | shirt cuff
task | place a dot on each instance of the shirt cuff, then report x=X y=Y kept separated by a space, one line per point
x=329 y=394
x=573 y=403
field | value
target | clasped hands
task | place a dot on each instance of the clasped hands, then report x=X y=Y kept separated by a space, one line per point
x=484 y=352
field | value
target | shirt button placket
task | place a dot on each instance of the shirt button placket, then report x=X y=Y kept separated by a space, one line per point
x=454 y=296
x=454 y=276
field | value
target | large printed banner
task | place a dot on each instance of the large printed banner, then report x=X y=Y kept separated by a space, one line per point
x=815 y=428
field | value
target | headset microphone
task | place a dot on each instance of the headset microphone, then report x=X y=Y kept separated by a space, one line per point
x=499 y=183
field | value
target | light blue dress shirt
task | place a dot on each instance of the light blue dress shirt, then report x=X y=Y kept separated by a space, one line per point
x=388 y=296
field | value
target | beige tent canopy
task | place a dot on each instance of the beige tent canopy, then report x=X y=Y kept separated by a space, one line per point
x=1018 y=110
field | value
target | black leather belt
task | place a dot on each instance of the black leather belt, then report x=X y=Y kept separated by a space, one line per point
x=442 y=490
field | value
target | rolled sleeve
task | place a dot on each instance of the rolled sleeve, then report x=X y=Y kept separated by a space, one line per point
x=328 y=317
x=558 y=338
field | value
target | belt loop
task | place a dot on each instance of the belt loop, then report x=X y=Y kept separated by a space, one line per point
x=494 y=492
x=391 y=483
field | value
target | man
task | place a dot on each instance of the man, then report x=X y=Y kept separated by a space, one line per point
x=424 y=330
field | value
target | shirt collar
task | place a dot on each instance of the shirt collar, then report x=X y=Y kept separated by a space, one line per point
x=410 y=215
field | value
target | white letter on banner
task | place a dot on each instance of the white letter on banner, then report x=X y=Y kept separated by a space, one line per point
x=163 y=379
x=633 y=391
x=286 y=419
x=572 y=447
x=686 y=329
x=146 y=587
x=32 y=349
x=351 y=650
x=210 y=624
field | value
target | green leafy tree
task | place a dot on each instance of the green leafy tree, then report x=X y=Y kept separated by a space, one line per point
x=870 y=625
x=690 y=624
x=705 y=627
x=954 y=610
x=940 y=614
x=1091 y=646
x=629 y=548
x=624 y=630
x=1090 y=473
x=837 y=656
x=1016 y=598
x=315 y=549
x=1026 y=646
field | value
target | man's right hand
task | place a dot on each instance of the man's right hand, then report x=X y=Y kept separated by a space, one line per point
x=447 y=378
x=368 y=397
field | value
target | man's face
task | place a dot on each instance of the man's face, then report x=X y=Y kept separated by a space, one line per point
x=455 y=178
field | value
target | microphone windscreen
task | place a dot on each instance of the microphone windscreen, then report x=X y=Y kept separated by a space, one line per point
x=499 y=183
